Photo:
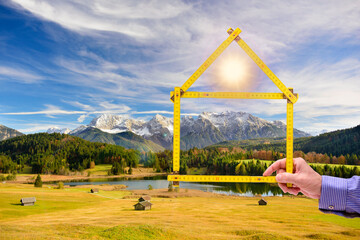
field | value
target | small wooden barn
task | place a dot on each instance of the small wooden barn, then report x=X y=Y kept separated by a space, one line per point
x=94 y=190
x=30 y=201
x=144 y=205
x=262 y=202
x=145 y=198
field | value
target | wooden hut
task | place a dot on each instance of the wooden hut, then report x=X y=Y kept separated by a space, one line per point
x=262 y=202
x=145 y=198
x=144 y=205
x=94 y=190
x=30 y=201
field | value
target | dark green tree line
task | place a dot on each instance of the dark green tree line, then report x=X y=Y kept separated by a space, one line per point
x=56 y=153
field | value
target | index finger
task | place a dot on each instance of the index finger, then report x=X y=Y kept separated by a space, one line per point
x=279 y=164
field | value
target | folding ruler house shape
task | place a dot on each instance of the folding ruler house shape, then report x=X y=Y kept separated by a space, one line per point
x=287 y=93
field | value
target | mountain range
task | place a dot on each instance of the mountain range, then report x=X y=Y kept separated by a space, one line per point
x=206 y=129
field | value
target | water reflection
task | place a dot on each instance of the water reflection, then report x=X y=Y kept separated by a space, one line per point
x=238 y=189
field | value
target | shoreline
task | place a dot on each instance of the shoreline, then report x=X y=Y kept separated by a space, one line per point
x=48 y=178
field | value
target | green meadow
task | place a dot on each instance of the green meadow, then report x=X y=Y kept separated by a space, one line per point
x=100 y=170
x=74 y=213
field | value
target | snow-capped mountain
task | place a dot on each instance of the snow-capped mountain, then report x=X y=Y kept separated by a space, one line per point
x=206 y=129
x=159 y=129
x=78 y=129
x=199 y=132
x=241 y=125
x=58 y=130
x=116 y=124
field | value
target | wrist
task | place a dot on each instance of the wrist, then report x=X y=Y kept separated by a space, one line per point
x=318 y=184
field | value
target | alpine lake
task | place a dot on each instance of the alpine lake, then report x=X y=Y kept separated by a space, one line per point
x=157 y=182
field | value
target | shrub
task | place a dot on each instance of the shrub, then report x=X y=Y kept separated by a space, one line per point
x=6 y=164
x=11 y=177
x=150 y=187
x=60 y=185
x=116 y=168
x=38 y=181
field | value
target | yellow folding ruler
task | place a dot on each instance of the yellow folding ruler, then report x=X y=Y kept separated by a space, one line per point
x=181 y=92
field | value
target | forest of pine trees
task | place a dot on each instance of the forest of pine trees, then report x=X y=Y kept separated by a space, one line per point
x=57 y=153
x=337 y=143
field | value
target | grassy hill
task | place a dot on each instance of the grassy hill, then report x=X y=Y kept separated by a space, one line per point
x=125 y=139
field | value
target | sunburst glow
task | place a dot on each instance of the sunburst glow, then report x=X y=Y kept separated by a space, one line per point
x=232 y=73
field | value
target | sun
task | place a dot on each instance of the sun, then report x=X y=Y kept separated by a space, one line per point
x=232 y=70
x=232 y=73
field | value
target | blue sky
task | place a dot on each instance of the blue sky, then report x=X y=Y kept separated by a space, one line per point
x=64 y=62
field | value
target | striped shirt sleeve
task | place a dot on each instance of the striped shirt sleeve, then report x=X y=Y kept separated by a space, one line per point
x=340 y=196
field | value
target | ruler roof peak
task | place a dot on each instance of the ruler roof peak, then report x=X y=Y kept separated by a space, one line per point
x=234 y=36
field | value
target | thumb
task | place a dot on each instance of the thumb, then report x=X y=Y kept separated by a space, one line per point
x=286 y=178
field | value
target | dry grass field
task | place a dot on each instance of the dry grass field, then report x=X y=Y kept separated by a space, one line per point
x=74 y=213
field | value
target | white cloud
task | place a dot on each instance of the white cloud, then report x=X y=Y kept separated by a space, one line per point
x=184 y=34
x=175 y=37
x=42 y=127
x=273 y=24
x=84 y=107
x=326 y=88
x=35 y=128
x=109 y=105
x=18 y=74
x=52 y=110
x=328 y=94
x=81 y=118
x=126 y=17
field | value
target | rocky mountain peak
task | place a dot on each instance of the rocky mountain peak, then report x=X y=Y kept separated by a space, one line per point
x=6 y=133
x=107 y=121
x=79 y=129
x=279 y=123
x=161 y=120
x=58 y=130
x=159 y=123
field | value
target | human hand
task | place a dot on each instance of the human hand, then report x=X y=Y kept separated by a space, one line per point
x=304 y=178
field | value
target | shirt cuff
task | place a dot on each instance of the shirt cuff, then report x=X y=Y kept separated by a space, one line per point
x=333 y=194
